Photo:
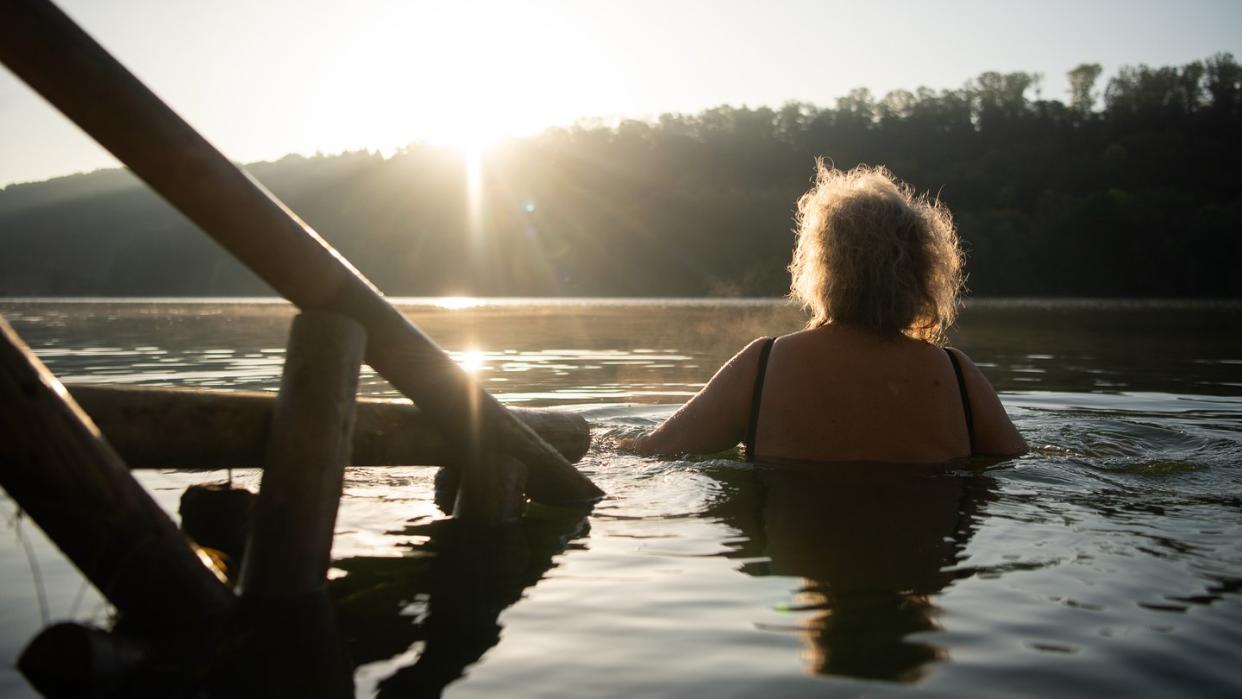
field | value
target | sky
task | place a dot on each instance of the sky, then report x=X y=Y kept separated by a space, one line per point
x=264 y=79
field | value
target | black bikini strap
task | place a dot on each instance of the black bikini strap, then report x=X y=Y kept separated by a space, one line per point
x=756 y=397
x=961 y=387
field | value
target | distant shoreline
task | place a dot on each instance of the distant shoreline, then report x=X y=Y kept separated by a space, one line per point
x=471 y=302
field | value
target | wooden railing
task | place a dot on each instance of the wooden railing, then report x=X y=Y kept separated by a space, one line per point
x=67 y=67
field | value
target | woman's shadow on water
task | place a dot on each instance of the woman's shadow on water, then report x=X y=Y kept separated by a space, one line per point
x=872 y=544
x=441 y=604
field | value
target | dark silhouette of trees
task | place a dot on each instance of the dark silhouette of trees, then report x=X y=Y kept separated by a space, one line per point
x=1134 y=194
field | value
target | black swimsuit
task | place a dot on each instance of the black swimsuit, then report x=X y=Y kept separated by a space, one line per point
x=757 y=396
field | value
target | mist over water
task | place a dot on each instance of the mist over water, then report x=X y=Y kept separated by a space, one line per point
x=1106 y=560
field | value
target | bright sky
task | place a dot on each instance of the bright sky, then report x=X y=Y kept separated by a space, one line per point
x=263 y=79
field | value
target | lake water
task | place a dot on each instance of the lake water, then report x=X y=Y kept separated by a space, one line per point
x=1108 y=560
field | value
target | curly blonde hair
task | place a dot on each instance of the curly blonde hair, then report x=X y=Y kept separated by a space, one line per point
x=872 y=253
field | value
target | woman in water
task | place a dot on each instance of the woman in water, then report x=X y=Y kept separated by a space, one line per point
x=869 y=379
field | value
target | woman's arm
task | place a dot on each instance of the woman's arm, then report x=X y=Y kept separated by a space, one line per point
x=715 y=418
x=995 y=434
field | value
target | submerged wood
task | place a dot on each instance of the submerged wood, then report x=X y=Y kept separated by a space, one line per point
x=72 y=660
x=490 y=490
x=292 y=647
x=67 y=67
x=217 y=516
x=159 y=427
x=308 y=448
x=55 y=465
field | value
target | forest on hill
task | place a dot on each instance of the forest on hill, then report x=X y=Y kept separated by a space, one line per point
x=1128 y=188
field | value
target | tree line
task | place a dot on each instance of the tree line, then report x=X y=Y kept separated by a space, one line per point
x=1127 y=188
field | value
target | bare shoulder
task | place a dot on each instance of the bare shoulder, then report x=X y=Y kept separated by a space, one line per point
x=967 y=364
x=733 y=381
x=750 y=352
x=715 y=418
x=995 y=434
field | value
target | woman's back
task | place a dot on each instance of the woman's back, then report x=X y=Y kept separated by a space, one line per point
x=880 y=270
x=837 y=393
x=840 y=393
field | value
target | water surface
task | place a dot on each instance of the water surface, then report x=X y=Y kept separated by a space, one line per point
x=1106 y=560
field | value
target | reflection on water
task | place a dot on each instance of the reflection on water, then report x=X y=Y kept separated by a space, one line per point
x=660 y=351
x=415 y=623
x=1107 y=561
x=871 y=550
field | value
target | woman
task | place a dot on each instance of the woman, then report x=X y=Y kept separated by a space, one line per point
x=869 y=378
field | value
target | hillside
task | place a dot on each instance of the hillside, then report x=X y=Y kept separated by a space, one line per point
x=1127 y=189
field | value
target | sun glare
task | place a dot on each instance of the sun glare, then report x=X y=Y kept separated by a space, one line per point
x=438 y=75
x=457 y=303
x=473 y=158
x=470 y=360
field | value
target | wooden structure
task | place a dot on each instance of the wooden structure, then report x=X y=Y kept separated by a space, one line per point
x=195 y=428
x=42 y=46
x=55 y=463
x=308 y=449
x=290 y=544
x=59 y=469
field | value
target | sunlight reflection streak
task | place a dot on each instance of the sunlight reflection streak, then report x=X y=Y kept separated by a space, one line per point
x=473 y=157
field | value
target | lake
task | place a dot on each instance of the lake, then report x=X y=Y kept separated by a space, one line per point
x=1107 y=560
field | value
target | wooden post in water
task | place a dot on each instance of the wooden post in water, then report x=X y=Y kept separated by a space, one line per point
x=53 y=55
x=284 y=574
x=308 y=448
x=65 y=476
x=491 y=490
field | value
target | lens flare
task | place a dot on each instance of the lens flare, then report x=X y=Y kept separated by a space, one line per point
x=471 y=360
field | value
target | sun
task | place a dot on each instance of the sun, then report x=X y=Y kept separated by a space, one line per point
x=457 y=303
x=471 y=132
x=471 y=360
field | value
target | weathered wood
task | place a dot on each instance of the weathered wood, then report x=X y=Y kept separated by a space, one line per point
x=312 y=430
x=157 y=427
x=71 y=661
x=294 y=649
x=59 y=469
x=43 y=47
x=284 y=575
x=217 y=516
x=490 y=491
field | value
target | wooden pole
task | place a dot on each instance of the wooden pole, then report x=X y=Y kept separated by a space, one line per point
x=74 y=660
x=161 y=427
x=61 y=62
x=490 y=491
x=312 y=430
x=284 y=575
x=55 y=464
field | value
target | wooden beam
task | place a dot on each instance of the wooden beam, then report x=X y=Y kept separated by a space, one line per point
x=58 y=468
x=68 y=659
x=290 y=546
x=490 y=491
x=308 y=448
x=159 y=427
x=44 y=47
